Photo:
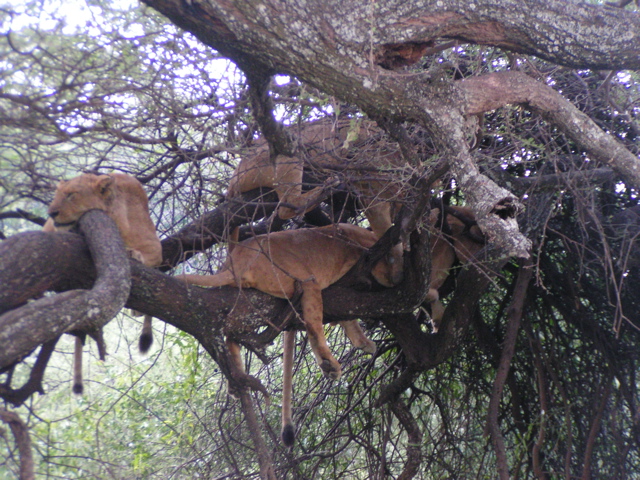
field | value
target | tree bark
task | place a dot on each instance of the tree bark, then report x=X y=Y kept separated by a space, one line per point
x=349 y=50
x=23 y=442
x=25 y=328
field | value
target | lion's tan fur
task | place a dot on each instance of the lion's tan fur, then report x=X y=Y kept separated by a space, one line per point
x=342 y=147
x=314 y=258
x=123 y=198
x=446 y=249
x=274 y=263
x=330 y=146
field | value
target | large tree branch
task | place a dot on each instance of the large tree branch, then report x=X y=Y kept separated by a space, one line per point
x=25 y=328
x=495 y=90
x=358 y=33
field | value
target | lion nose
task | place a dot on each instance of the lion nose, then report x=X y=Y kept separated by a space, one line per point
x=53 y=213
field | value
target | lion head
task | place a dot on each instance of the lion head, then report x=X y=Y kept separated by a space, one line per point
x=79 y=195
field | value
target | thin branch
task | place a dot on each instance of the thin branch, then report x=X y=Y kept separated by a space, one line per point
x=267 y=471
x=23 y=442
x=414 y=438
x=514 y=316
x=595 y=429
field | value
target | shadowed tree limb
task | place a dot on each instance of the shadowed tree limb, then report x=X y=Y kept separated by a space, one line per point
x=414 y=440
x=19 y=395
x=23 y=442
x=514 y=316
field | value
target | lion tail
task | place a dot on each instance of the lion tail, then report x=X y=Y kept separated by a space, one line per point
x=288 y=430
x=78 y=387
x=146 y=336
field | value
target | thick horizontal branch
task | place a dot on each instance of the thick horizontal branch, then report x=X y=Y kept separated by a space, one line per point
x=30 y=325
x=573 y=34
x=495 y=90
x=207 y=314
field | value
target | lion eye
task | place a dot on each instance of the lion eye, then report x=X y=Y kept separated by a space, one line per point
x=70 y=195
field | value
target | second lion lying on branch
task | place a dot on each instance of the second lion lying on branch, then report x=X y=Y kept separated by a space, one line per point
x=314 y=258
x=328 y=149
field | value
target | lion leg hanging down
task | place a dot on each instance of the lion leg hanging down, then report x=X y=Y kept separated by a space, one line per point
x=273 y=263
x=456 y=237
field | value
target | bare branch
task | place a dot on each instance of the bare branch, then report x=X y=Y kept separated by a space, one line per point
x=70 y=310
x=492 y=91
x=23 y=442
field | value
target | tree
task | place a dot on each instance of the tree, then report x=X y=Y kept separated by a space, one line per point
x=527 y=115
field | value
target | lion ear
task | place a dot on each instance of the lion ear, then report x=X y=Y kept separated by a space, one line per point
x=104 y=183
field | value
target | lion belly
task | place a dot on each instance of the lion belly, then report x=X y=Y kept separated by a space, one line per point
x=279 y=260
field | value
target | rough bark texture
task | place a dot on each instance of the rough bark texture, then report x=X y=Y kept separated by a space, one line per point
x=348 y=48
x=25 y=328
x=23 y=442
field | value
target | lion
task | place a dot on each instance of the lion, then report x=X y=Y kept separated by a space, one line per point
x=123 y=198
x=461 y=242
x=331 y=146
x=274 y=263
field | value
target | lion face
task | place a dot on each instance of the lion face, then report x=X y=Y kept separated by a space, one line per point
x=79 y=195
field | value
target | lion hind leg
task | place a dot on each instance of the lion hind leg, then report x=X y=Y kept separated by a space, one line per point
x=437 y=308
x=357 y=336
x=288 y=432
x=379 y=216
x=437 y=312
x=392 y=272
x=288 y=186
x=240 y=379
x=312 y=316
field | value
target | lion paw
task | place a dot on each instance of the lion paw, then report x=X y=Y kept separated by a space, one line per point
x=369 y=346
x=331 y=369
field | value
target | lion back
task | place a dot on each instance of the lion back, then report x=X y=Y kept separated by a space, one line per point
x=130 y=210
x=119 y=195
